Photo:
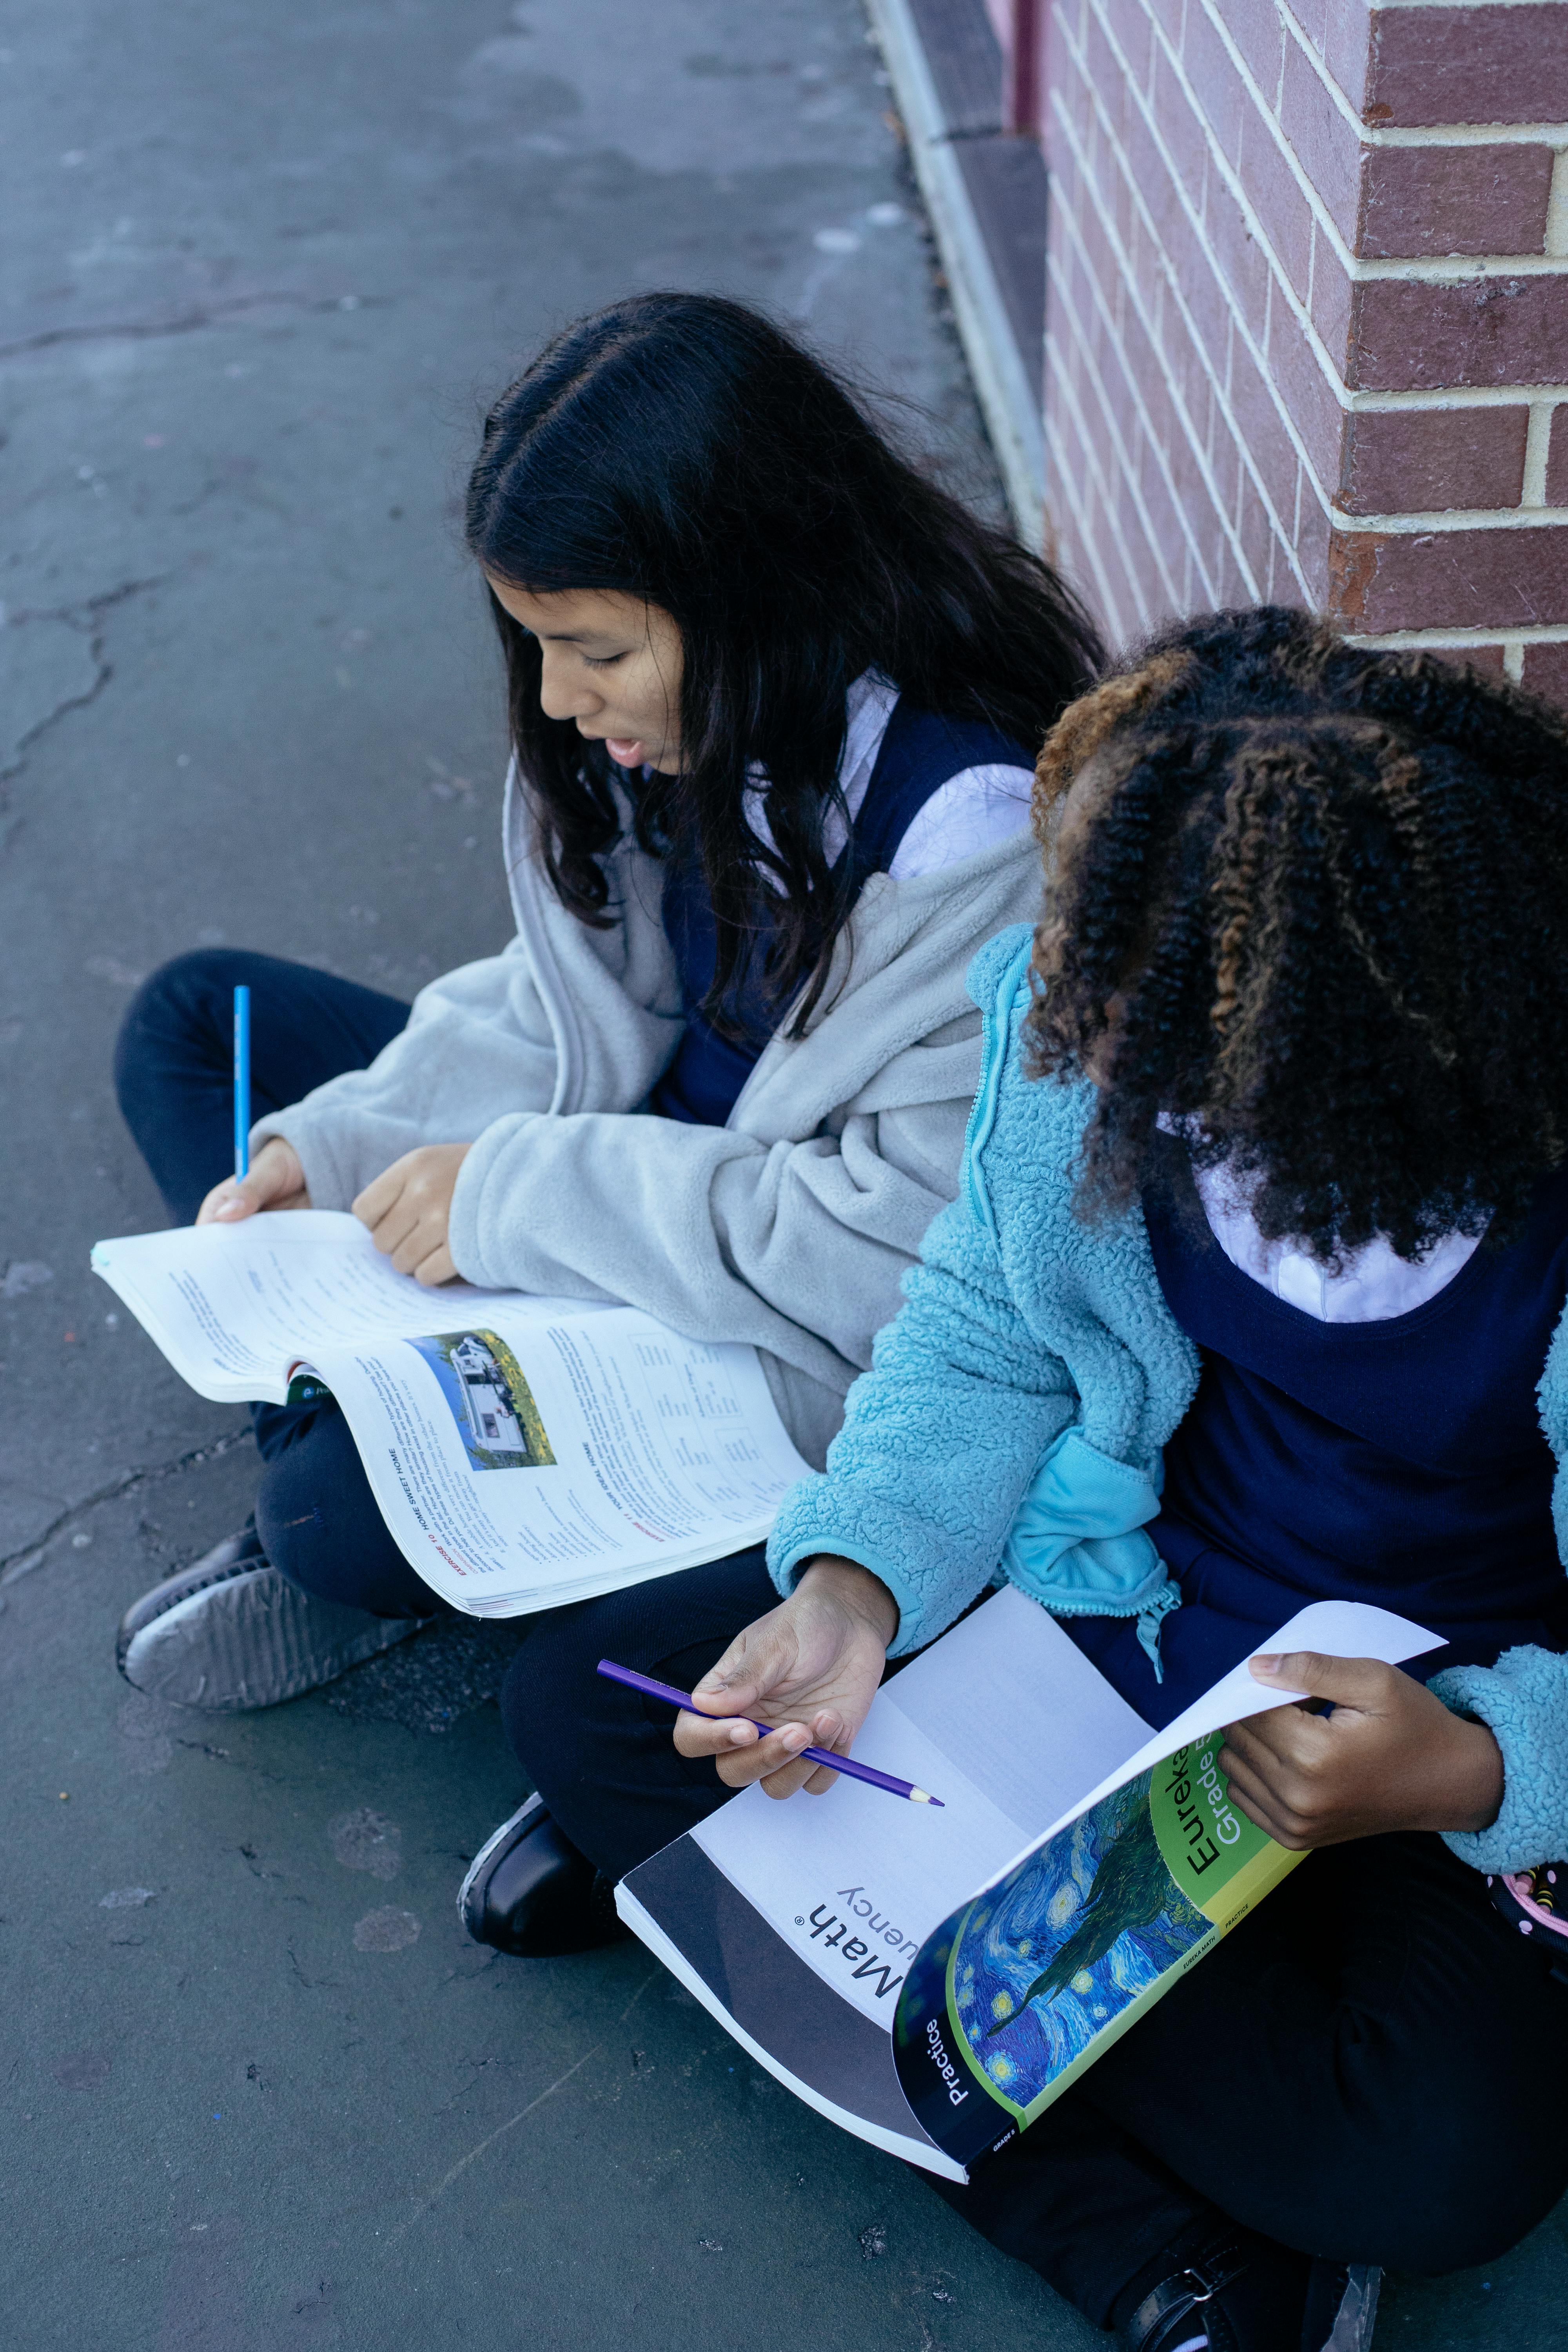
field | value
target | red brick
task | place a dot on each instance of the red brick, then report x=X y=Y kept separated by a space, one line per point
x=1557 y=460
x=1220 y=90
x=1256 y=533
x=1468 y=65
x=1333 y=299
x=1105 y=79
x=1488 y=659
x=1420 y=460
x=1255 y=27
x=1128 y=21
x=1238 y=256
x=1325 y=143
x=1182 y=130
x=1410 y=336
x=1498 y=580
x=1347 y=47
x=1546 y=671
x=1257 y=419
x=1313 y=15
x=1171 y=16
x=1312 y=555
x=1440 y=200
x=1276 y=197
x=1310 y=396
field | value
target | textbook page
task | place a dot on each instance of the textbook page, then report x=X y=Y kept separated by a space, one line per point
x=812 y=1929
x=524 y=1452
x=855 y=1894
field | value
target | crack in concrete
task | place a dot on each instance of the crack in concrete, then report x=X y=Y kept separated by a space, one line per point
x=190 y=323
x=87 y=618
x=20 y=1563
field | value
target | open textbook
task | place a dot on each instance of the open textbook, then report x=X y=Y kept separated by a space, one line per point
x=932 y=1980
x=525 y=1452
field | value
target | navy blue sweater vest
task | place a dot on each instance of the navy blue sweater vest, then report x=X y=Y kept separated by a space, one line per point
x=1399 y=1461
x=921 y=751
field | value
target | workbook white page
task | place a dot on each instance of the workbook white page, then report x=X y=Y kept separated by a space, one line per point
x=1006 y=1720
x=524 y=1452
x=236 y=1307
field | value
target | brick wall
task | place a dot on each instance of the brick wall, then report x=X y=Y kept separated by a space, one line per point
x=1307 y=316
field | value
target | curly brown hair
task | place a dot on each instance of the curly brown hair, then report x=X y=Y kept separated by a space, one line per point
x=1317 y=912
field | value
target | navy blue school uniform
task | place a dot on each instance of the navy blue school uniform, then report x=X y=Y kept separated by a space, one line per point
x=1399 y=1461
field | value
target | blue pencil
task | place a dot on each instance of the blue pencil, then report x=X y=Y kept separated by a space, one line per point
x=848 y=1765
x=242 y=1082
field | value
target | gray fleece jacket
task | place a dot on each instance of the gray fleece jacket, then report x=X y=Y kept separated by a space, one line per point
x=789 y=1226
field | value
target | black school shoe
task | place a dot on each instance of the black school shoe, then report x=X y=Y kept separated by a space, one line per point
x=1238 y=2293
x=531 y=1893
x=230 y=1632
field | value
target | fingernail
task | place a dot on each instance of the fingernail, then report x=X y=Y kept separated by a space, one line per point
x=740 y=1734
x=1266 y=1665
x=794 y=1735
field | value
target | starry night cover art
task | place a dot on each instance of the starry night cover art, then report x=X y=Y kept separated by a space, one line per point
x=1025 y=1986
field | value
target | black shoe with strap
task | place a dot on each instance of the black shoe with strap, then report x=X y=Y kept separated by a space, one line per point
x=1231 y=2290
x=531 y=1893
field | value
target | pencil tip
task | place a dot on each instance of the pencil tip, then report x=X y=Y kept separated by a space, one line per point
x=921 y=1798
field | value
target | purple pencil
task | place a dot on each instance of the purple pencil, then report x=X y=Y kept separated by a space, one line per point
x=835 y=1763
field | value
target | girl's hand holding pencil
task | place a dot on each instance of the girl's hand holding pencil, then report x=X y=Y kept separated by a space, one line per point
x=275 y=1180
x=812 y=1665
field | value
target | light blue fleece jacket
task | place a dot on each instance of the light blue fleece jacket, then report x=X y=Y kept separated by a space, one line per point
x=1013 y=1422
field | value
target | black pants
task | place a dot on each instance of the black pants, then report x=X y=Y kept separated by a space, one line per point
x=174 y=1073
x=1366 y=2069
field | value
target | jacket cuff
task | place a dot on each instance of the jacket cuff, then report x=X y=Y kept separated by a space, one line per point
x=329 y=1176
x=812 y=1520
x=1523 y=1701
x=465 y=1220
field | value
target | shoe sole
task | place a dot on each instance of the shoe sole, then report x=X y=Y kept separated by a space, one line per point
x=252 y=1640
x=199 y=1576
x=1351 y=2331
x=491 y=1845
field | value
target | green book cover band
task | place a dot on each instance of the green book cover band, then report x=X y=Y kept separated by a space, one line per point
x=1017 y=1993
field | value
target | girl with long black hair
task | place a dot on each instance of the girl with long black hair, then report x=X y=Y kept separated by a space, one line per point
x=774 y=701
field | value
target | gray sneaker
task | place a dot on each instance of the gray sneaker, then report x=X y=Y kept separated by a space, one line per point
x=230 y=1632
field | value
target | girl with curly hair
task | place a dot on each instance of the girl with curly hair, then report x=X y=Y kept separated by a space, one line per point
x=1253 y=1295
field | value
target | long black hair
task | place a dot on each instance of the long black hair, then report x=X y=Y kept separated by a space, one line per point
x=681 y=449
x=1318 y=913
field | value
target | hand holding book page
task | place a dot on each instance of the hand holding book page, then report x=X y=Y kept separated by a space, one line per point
x=524 y=1452
x=931 y=1981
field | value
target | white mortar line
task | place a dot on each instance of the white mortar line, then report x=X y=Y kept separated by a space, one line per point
x=1420 y=134
x=1513 y=660
x=1456 y=395
x=1539 y=517
x=1112 y=509
x=1477 y=5
x=1429 y=269
x=1179 y=406
x=1557 y=204
x=1537 y=442
x=1239 y=324
x=1494 y=633
x=1155 y=441
x=1060 y=477
x=1460 y=134
x=1354 y=403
